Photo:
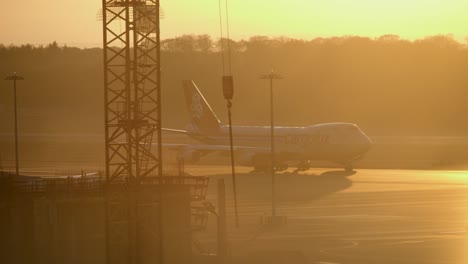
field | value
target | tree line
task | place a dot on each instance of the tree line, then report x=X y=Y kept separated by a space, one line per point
x=387 y=85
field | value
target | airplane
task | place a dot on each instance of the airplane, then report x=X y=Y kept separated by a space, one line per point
x=342 y=143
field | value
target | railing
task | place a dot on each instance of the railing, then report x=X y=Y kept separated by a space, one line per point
x=93 y=183
x=124 y=2
x=50 y=186
x=198 y=185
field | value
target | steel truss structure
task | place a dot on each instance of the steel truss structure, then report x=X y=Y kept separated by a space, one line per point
x=132 y=88
x=132 y=118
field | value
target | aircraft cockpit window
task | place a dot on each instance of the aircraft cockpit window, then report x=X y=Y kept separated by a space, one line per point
x=350 y=128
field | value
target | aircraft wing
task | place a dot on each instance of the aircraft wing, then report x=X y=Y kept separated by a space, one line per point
x=205 y=147
x=196 y=136
x=193 y=152
x=175 y=130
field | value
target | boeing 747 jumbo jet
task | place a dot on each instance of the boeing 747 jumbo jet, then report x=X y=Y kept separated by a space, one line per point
x=342 y=143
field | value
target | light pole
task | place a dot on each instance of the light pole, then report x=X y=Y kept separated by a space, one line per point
x=272 y=76
x=15 y=78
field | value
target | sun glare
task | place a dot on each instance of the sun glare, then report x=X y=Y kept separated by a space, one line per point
x=410 y=19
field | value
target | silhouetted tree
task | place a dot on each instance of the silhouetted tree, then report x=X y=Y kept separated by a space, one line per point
x=388 y=85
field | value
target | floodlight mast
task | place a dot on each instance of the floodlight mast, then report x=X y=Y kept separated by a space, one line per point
x=15 y=78
x=272 y=76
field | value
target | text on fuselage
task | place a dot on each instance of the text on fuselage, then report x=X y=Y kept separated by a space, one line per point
x=307 y=139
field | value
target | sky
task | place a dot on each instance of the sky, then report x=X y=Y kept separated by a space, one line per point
x=74 y=22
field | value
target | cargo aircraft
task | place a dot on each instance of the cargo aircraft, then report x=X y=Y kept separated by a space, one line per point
x=342 y=143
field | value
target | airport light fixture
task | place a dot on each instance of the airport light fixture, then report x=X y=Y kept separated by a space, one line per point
x=15 y=78
x=272 y=76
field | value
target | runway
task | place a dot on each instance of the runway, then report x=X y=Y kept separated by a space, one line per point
x=370 y=216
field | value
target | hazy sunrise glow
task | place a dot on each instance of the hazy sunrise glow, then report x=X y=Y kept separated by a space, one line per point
x=74 y=22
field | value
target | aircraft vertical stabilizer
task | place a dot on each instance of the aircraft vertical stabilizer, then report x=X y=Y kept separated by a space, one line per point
x=202 y=118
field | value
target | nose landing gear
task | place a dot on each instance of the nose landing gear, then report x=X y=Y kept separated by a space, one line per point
x=349 y=167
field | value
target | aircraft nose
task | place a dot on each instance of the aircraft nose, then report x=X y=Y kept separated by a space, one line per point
x=367 y=141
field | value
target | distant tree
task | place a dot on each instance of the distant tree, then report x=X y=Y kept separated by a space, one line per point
x=234 y=46
x=386 y=84
x=440 y=41
x=258 y=44
x=182 y=44
x=389 y=38
x=53 y=46
x=203 y=44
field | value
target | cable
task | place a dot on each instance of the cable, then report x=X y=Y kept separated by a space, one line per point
x=228 y=37
x=221 y=39
x=233 y=168
x=229 y=104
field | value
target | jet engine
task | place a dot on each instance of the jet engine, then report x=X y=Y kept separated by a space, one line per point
x=246 y=159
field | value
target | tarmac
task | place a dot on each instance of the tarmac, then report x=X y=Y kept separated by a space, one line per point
x=367 y=216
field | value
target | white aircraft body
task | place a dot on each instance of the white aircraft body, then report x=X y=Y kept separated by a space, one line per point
x=337 y=142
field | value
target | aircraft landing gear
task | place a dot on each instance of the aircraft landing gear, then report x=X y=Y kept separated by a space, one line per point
x=349 y=167
x=281 y=167
x=303 y=166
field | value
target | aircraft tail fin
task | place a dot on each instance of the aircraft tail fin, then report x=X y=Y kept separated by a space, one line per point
x=202 y=118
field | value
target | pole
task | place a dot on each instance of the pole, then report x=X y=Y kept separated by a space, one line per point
x=16 y=128
x=233 y=169
x=222 y=232
x=15 y=78
x=272 y=148
x=161 y=212
x=272 y=76
x=1 y=164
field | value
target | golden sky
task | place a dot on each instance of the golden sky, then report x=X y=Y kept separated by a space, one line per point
x=74 y=21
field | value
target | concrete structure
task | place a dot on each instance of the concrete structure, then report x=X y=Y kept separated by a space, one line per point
x=68 y=220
